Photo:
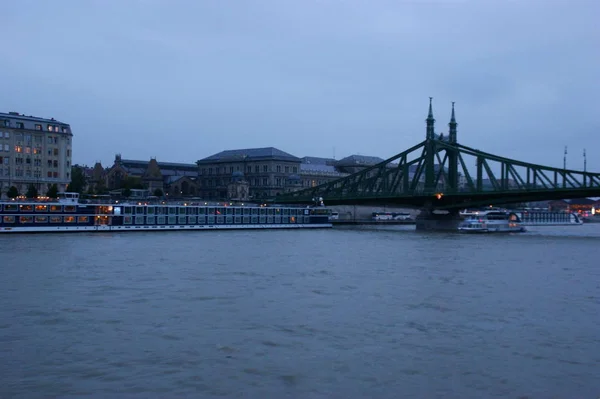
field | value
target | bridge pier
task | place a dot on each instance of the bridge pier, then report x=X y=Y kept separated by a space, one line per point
x=427 y=220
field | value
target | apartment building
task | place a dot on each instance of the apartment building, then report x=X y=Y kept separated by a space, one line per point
x=34 y=151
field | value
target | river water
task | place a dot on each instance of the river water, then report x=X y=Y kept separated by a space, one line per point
x=340 y=313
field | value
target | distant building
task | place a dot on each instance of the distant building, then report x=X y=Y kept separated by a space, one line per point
x=175 y=179
x=579 y=205
x=34 y=151
x=315 y=171
x=266 y=171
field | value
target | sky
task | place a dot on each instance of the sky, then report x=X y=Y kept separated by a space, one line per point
x=180 y=80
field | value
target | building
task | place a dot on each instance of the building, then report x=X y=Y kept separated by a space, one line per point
x=578 y=205
x=34 y=151
x=174 y=179
x=315 y=171
x=267 y=172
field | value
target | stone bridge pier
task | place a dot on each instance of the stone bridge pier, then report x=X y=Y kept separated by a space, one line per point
x=431 y=220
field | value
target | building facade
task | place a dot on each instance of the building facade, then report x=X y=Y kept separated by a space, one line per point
x=173 y=179
x=266 y=170
x=34 y=151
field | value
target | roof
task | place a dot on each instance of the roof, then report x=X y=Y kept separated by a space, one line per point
x=354 y=160
x=250 y=154
x=134 y=163
x=318 y=160
x=30 y=121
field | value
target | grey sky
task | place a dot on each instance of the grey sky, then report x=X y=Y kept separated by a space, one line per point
x=181 y=80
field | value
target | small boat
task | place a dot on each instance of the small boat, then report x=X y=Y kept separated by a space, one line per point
x=496 y=221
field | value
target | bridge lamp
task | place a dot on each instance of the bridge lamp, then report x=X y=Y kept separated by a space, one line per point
x=593 y=211
x=439 y=195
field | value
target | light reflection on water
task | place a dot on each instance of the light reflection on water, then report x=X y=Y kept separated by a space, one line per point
x=353 y=312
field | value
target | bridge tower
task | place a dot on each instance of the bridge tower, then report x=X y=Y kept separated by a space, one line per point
x=430 y=151
x=453 y=154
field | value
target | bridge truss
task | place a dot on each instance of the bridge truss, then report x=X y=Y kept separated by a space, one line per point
x=440 y=173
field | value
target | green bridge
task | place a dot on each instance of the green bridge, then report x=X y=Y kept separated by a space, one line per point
x=433 y=175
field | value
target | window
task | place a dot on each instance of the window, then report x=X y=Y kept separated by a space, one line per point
x=265 y=168
x=55 y=208
x=41 y=219
x=69 y=208
x=55 y=219
x=83 y=219
x=9 y=219
x=278 y=168
x=38 y=127
x=20 y=125
x=26 y=219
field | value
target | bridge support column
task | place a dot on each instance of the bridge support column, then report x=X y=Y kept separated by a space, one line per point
x=427 y=220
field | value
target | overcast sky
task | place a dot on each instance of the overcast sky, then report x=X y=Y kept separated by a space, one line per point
x=180 y=80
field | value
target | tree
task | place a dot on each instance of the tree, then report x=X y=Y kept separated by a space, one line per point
x=78 y=180
x=101 y=187
x=158 y=193
x=12 y=192
x=32 y=192
x=52 y=191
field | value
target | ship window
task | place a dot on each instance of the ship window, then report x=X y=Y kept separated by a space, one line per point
x=292 y=219
x=263 y=211
x=69 y=208
x=69 y=219
x=139 y=220
x=41 y=208
x=9 y=219
x=26 y=219
x=220 y=211
x=172 y=219
x=11 y=208
x=182 y=211
x=201 y=211
x=139 y=210
x=181 y=220
x=270 y=211
x=192 y=219
x=150 y=210
x=26 y=208
x=211 y=211
x=55 y=219
x=230 y=211
x=83 y=219
x=41 y=219
x=286 y=211
x=172 y=210
x=127 y=210
x=127 y=219
x=238 y=211
x=161 y=220
x=150 y=219
x=192 y=210
x=247 y=211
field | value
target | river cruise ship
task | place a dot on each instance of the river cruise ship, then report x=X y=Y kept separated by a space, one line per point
x=496 y=221
x=69 y=214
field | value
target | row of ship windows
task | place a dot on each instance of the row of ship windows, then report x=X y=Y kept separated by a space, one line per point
x=37 y=208
x=213 y=219
x=158 y=210
x=192 y=210
x=45 y=219
x=157 y=219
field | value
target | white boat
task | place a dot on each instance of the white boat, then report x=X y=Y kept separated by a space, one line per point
x=495 y=221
